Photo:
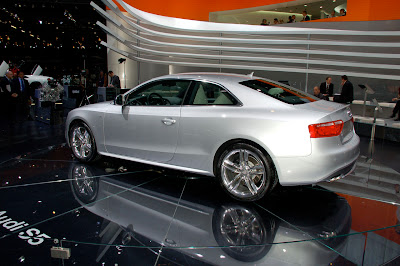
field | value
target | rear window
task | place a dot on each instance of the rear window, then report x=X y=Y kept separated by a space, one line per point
x=280 y=92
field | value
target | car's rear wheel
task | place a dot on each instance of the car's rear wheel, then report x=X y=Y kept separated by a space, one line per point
x=245 y=172
x=82 y=143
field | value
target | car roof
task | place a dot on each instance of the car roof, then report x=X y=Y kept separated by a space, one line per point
x=211 y=76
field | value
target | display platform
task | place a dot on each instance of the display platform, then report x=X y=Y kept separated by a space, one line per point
x=115 y=212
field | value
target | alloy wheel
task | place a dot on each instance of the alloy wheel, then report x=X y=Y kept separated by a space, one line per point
x=243 y=173
x=81 y=142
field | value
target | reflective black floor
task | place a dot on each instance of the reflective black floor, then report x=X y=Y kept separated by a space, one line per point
x=116 y=212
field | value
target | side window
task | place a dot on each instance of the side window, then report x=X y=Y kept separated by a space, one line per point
x=210 y=94
x=164 y=92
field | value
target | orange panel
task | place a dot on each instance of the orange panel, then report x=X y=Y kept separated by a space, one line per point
x=370 y=214
x=196 y=9
x=357 y=10
x=369 y=10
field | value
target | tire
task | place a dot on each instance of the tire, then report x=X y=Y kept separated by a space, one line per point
x=84 y=184
x=245 y=172
x=82 y=142
x=240 y=225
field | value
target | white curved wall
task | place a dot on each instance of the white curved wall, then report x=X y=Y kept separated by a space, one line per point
x=304 y=55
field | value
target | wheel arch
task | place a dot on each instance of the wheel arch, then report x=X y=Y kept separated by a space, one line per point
x=228 y=143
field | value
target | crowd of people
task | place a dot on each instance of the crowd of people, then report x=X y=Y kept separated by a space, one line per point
x=346 y=95
x=306 y=17
x=103 y=80
x=326 y=90
x=16 y=94
x=15 y=97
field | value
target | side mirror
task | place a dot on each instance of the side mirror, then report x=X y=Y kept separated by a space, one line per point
x=119 y=100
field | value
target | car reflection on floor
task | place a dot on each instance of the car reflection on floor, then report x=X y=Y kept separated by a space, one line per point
x=200 y=224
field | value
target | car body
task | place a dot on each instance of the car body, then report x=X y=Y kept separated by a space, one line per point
x=36 y=77
x=250 y=132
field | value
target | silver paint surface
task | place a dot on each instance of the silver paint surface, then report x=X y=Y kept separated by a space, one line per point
x=138 y=133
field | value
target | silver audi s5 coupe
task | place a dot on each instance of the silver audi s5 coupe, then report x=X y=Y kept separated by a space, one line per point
x=248 y=132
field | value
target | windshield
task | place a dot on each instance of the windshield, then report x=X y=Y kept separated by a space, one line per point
x=279 y=91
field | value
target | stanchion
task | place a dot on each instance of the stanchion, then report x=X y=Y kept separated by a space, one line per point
x=367 y=90
x=371 y=146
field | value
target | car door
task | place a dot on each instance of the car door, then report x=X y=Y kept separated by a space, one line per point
x=146 y=127
x=207 y=118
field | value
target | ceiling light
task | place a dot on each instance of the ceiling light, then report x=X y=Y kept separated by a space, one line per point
x=320 y=7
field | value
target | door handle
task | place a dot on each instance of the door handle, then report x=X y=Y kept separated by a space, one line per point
x=168 y=121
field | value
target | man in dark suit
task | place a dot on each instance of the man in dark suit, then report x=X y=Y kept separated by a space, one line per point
x=305 y=16
x=114 y=81
x=347 y=93
x=24 y=91
x=326 y=87
x=8 y=97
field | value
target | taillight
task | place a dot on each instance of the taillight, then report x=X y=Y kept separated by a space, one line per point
x=324 y=130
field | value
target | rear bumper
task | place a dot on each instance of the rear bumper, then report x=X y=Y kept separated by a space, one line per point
x=342 y=173
x=333 y=161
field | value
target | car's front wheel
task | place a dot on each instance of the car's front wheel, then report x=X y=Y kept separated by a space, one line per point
x=245 y=172
x=82 y=142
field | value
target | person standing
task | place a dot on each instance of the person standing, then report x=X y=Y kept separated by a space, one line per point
x=8 y=97
x=396 y=109
x=102 y=80
x=347 y=92
x=24 y=100
x=114 y=80
x=326 y=87
x=305 y=16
